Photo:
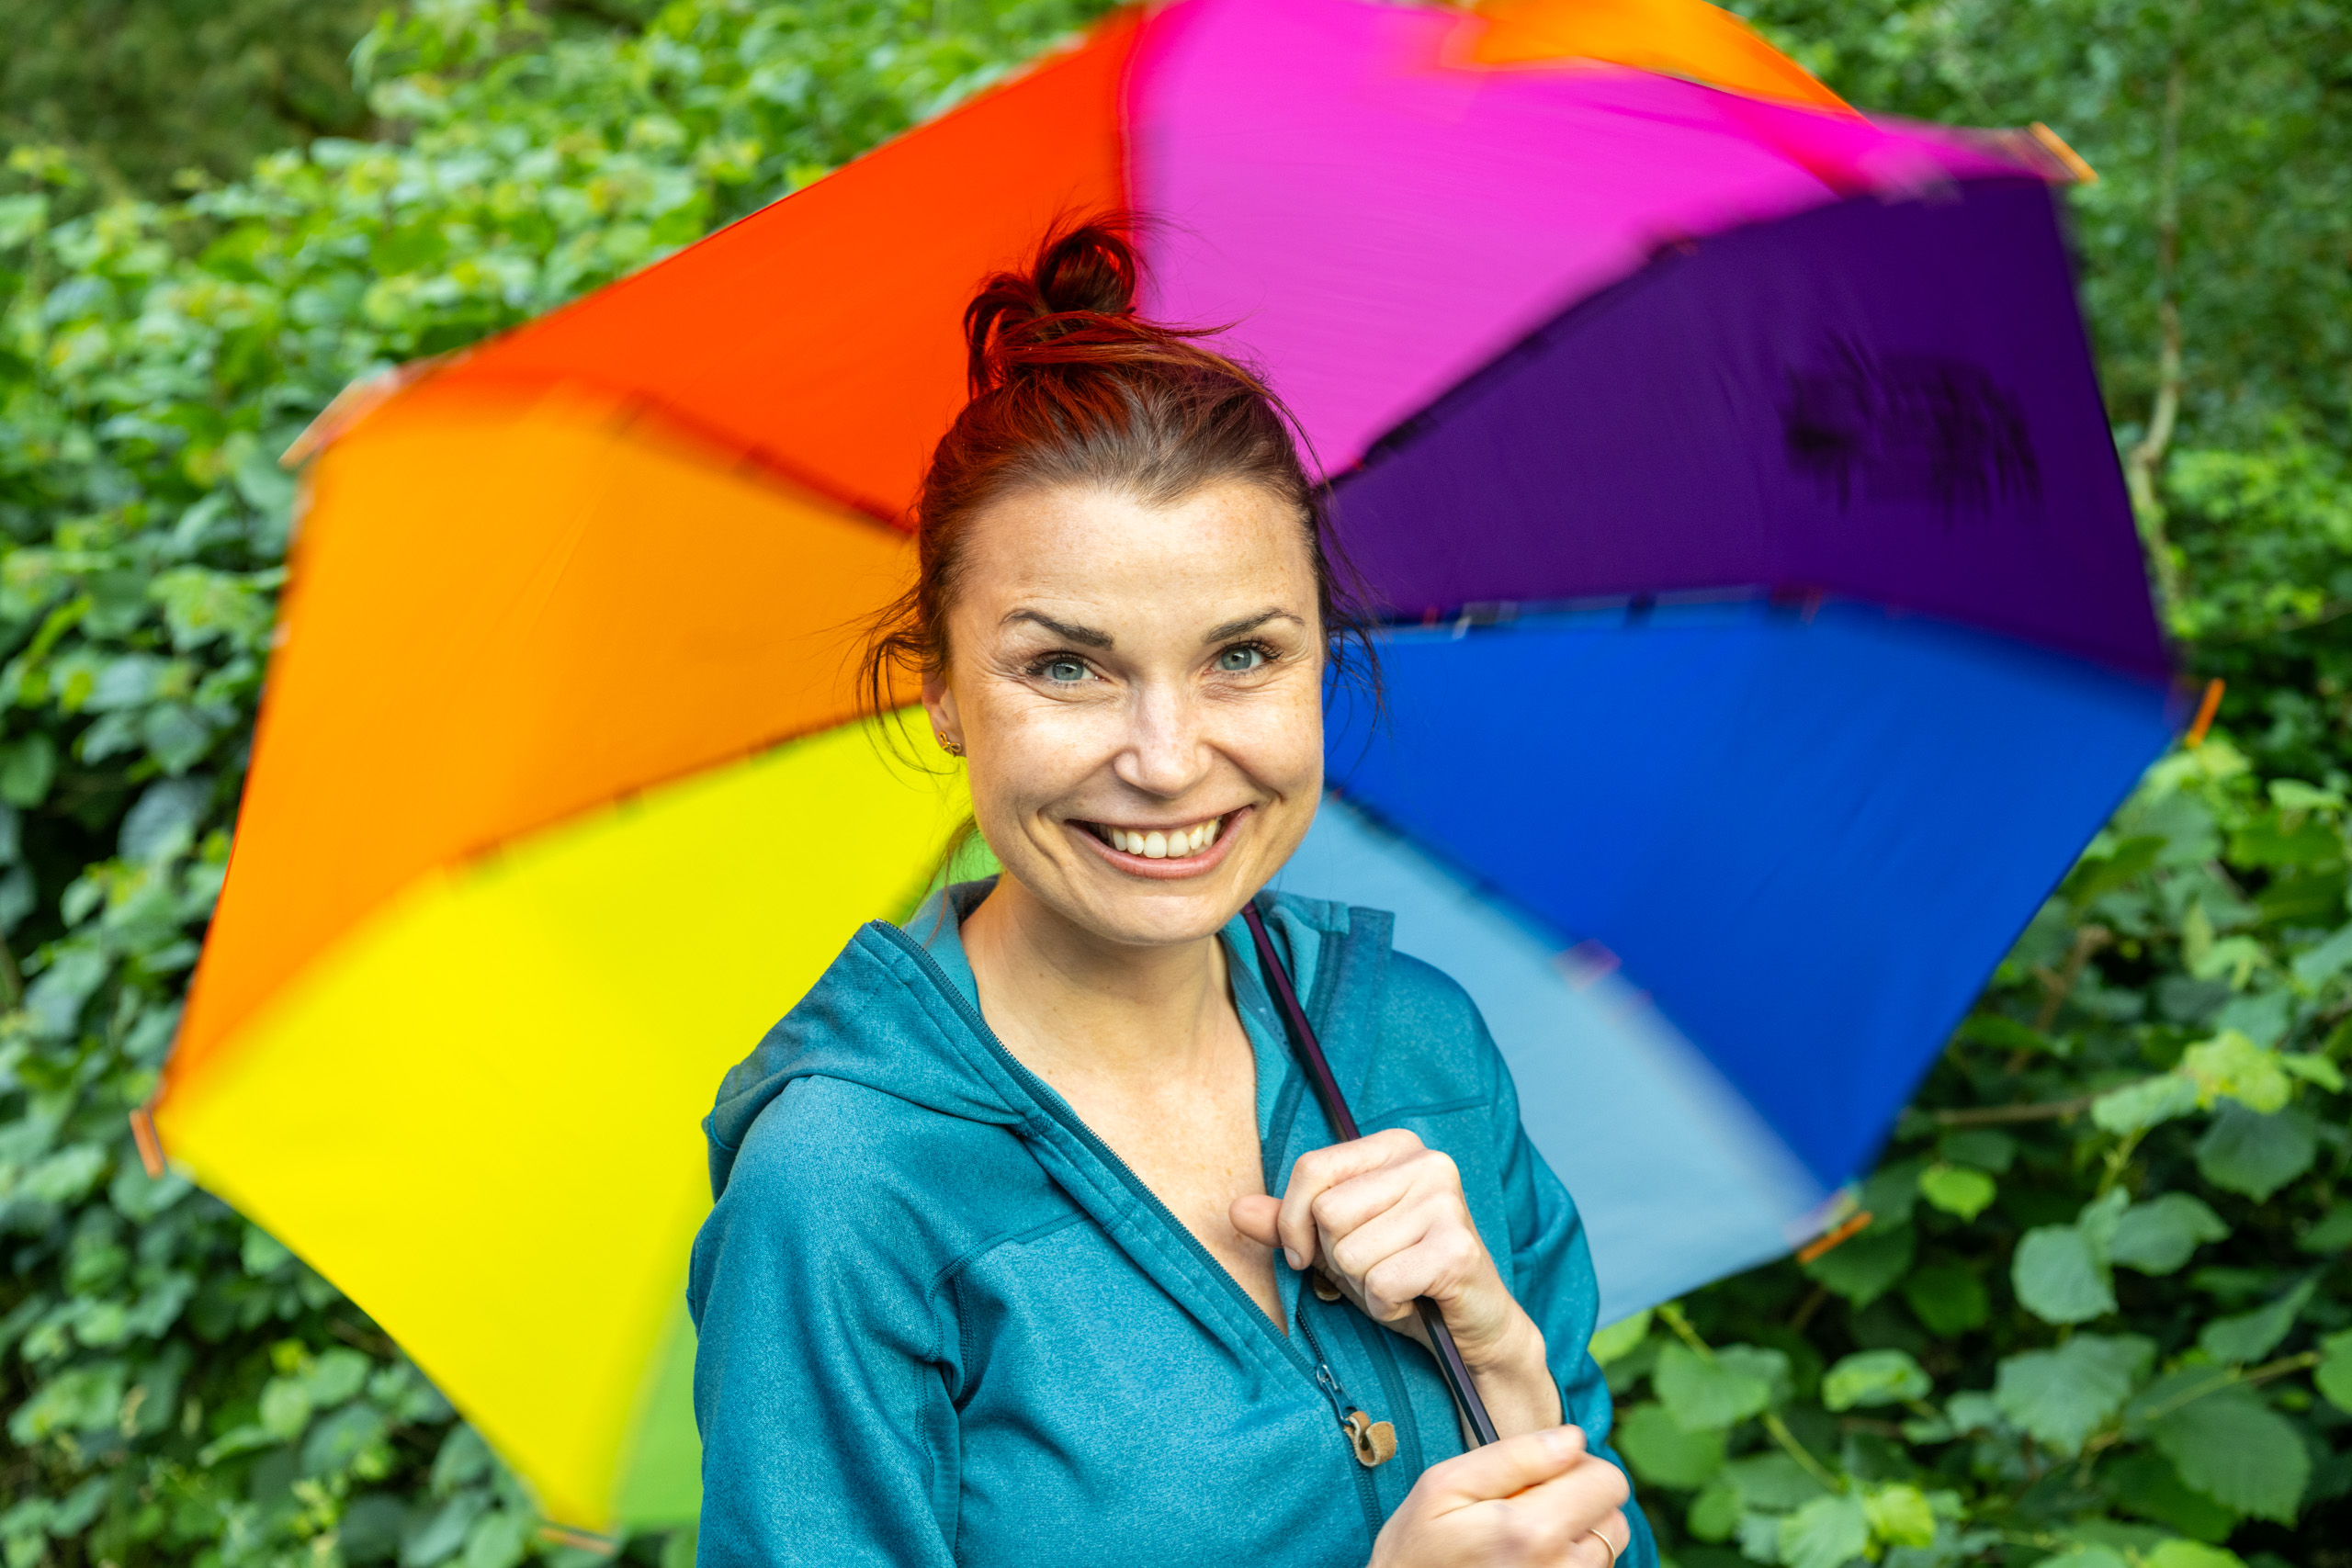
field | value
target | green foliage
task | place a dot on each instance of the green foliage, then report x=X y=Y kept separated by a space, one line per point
x=176 y=1387
x=139 y=91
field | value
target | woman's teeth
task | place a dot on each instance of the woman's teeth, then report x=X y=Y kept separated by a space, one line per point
x=1158 y=845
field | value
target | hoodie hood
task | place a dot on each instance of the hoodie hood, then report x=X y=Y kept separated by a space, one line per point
x=898 y=1012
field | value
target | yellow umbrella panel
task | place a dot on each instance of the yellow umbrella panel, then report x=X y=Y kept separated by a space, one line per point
x=426 y=1091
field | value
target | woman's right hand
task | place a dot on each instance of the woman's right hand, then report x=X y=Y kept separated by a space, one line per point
x=1531 y=1501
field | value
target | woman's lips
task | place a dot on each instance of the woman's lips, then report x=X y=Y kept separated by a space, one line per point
x=1215 y=835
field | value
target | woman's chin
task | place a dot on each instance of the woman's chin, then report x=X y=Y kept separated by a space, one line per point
x=1125 y=908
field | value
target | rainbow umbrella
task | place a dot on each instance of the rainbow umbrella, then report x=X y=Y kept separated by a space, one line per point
x=1771 y=632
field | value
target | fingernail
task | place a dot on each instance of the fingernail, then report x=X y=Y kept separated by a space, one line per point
x=1296 y=1262
x=1562 y=1441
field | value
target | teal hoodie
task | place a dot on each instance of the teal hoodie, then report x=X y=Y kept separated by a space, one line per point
x=941 y=1322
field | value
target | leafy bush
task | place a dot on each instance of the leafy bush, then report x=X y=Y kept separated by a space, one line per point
x=2097 y=1312
x=143 y=90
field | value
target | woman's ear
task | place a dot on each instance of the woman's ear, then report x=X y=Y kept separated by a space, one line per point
x=939 y=705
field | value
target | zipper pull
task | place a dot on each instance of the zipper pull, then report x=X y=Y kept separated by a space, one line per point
x=1374 y=1441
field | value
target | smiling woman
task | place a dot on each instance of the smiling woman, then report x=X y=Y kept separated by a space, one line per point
x=1029 y=1246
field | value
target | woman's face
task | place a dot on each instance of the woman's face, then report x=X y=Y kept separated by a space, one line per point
x=1138 y=692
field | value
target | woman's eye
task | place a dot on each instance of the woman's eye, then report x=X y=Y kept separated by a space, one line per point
x=1063 y=671
x=1240 y=660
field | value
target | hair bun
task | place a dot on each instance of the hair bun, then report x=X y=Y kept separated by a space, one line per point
x=1075 y=304
x=1091 y=268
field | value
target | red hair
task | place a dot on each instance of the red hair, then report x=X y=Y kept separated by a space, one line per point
x=1071 y=388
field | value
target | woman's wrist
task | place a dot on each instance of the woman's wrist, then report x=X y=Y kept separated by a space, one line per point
x=1514 y=1378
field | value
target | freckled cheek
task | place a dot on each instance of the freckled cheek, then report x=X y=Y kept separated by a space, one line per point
x=1280 y=744
x=1034 y=753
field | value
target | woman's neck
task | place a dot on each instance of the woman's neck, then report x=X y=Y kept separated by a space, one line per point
x=1067 y=1003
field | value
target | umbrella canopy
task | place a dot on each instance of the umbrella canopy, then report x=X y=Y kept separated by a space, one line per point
x=1773 y=633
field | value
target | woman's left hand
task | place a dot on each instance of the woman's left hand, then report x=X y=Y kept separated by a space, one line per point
x=1384 y=1217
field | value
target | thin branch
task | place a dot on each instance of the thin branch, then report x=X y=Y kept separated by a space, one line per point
x=2139 y=466
x=2056 y=988
x=1799 y=1452
x=2335 y=609
x=2000 y=1115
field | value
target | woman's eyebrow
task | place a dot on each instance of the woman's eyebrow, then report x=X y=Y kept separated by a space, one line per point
x=1085 y=637
x=1248 y=624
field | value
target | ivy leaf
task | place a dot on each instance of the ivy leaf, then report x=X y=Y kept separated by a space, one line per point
x=2159 y=1236
x=27 y=766
x=2085 y=1555
x=2001 y=1031
x=1948 y=1298
x=2061 y=1396
x=2059 y=1278
x=2315 y=1069
x=2143 y=1482
x=2249 y=1336
x=1759 y=1537
x=1613 y=1342
x=336 y=1442
x=464 y=1457
x=439 y=1537
x=2096 y=1220
x=2334 y=1376
x=498 y=1540
x=2237 y=1450
x=2332 y=1231
x=1827 y=1532
x=1771 y=1480
x=2190 y=1554
x=1874 y=1378
x=1957 y=1189
x=1705 y=1395
x=1715 y=1511
x=1890 y=1192
x=1866 y=1267
x=1663 y=1452
x=2246 y=1151
x=2136 y=1107
x=1987 y=1150
x=284 y=1407
x=2126 y=861
x=1900 y=1515
x=80 y=1399
x=2320 y=965
x=2231 y=1067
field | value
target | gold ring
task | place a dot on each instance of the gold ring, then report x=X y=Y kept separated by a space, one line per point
x=1614 y=1549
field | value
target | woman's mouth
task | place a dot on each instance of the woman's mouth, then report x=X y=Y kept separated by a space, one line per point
x=1152 y=849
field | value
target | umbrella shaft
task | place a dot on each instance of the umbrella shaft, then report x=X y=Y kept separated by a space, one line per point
x=1450 y=1365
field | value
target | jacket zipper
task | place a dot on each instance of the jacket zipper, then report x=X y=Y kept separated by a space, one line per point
x=1320 y=1372
x=1324 y=1378
x=1367 y=1490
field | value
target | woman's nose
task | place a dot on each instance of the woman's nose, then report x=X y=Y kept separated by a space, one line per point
x=1163 y=754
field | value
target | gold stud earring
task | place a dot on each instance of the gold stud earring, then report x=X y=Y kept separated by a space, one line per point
x=954 y=749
